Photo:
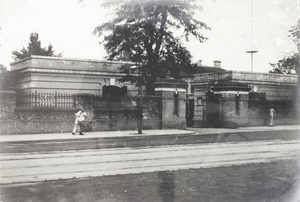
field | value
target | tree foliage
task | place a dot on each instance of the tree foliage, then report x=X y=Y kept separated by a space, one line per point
x=34 y=48
x=143 y=32
x=295 y=35
x=2 y=69
x=5 y=78
x=290 y=64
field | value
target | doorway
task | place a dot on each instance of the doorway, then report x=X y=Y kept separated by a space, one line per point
x=212 y=110
x=189 y=112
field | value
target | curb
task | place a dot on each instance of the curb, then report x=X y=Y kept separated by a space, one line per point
x=194 y=137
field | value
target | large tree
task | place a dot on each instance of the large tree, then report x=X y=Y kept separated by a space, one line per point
x=145 y=32
x=295 y=35
x=34 y=48
x=290 y=64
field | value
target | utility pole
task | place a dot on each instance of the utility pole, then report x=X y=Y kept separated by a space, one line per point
x=140 y=99
x=251 y=51
x=140 y=120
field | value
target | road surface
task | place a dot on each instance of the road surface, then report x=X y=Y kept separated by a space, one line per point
x=53 y=165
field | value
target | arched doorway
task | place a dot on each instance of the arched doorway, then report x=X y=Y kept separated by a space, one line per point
x=114 y=92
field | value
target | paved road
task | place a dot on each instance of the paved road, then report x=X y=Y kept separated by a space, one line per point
x=53 y=165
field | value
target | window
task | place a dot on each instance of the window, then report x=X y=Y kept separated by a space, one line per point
x=199 y=101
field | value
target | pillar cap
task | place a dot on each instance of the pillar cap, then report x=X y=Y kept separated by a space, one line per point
x=171 y=83
x=231 y=86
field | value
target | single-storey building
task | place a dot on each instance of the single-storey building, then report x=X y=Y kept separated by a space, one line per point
x=68 y=75
x=48 y=91
x=236 y=98
x=211 y=97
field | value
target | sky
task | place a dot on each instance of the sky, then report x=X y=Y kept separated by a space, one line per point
x=236 y=26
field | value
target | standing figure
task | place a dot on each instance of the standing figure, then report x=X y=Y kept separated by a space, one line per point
x=79 y=119
x=272 y=115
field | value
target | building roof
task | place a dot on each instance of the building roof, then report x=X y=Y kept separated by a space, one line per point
x=208 y=69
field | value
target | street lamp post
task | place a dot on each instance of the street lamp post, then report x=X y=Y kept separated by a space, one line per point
x=140 y=120
x=140 y=101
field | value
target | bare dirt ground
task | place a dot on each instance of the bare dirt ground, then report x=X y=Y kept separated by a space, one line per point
x=277 y=181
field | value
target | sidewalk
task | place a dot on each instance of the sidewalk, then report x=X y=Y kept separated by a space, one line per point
x=146 y=133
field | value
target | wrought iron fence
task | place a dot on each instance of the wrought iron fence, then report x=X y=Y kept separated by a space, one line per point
x=59 y=100
x=115 y=102
x=46 y=100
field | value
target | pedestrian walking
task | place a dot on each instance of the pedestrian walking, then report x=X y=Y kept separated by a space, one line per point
x=272 y=115
x=79 y=121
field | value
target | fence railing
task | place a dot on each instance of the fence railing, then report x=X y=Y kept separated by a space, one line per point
x=46 y=100
x=58 y=100
x=116 y=102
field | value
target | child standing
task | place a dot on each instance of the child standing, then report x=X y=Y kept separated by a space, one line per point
x=79 y=119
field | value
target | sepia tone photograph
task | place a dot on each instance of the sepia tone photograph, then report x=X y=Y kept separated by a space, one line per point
x=150 y=100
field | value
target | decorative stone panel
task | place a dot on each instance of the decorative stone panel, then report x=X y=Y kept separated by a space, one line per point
x=7 y=104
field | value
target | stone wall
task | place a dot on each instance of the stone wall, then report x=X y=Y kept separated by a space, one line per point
x=120 y=118
x=234 y=110
x=38 y=120
x=173 y=93
x=30 y=120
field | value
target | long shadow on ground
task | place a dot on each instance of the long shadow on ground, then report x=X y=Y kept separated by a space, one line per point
x=256 y=182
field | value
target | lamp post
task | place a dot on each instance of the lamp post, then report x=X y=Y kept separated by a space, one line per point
x=140 y=100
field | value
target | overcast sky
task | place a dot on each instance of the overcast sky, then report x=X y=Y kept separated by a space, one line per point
x=68 y=26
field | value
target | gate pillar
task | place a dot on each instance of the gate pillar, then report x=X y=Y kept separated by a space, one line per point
x=173 y=93
x=232 y=104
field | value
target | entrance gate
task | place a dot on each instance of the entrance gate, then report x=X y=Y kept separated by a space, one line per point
x=212 y=110
x=190 y=112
